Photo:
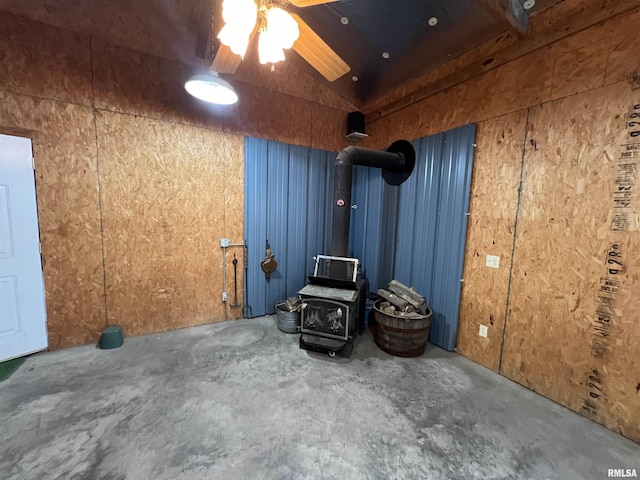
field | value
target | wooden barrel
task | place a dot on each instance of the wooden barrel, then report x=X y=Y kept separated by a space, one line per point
x=401 y=336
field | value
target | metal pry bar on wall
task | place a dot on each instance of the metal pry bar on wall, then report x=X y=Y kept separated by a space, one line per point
x=224 y=244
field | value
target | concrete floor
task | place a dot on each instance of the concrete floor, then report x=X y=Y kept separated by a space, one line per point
x=239 y=400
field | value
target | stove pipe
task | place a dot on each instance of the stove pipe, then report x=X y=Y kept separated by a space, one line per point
x=396 y=162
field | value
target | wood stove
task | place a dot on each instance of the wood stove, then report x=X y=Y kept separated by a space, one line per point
x=334 y=301
x=333 y=306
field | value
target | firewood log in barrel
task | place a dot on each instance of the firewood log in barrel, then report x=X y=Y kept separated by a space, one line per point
x=396 y=301
x=416 y=300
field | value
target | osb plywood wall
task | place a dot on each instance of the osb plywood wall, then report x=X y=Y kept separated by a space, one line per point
x=136 y=181
x=554 y=195
x=167 y=192
x=490 y=228
x=573 y=331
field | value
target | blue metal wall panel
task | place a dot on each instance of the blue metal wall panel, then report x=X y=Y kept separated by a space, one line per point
x=405 y=239
x=358 y=237
x=373 y=256
x=317 y=231
x=277 y=184
x=455 y=188
x=389 y=231
x=330 y=173
x=296 y=222
x=427 y=218
x=418 y=217
x=286 y=203
x=373 y=224
x=432 y=226
x=255 y=220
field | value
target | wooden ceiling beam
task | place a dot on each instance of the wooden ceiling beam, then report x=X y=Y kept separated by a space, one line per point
x=510 y=10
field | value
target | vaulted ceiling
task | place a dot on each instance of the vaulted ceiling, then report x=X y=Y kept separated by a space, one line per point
x=386 y=43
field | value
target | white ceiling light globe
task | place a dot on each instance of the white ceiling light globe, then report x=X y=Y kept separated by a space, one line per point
x=211 y=89
x=240 y=19
x=283 y=26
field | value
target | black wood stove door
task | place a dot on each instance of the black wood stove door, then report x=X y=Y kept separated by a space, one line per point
x=327 y=318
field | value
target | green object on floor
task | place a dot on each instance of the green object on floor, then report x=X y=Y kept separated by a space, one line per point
x=7 y=368
x=112 y=337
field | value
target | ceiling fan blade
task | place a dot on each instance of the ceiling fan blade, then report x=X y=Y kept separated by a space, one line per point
x=320 y=55
x=225 y=60
x=309 y=3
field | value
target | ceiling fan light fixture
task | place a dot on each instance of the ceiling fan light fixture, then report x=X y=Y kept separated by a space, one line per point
x=240 y=18
x=269 y=51
x=234 y=39
x=283 y=27
x=209 y=88
x=280 y=32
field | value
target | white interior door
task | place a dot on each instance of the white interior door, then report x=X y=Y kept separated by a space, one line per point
x=23 y=327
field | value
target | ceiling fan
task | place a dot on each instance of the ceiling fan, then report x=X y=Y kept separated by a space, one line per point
x=278 y=30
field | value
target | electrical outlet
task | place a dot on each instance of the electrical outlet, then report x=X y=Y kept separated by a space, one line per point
x=492 y=261
x=224 y=296
x=224 y=242
x=483 y=331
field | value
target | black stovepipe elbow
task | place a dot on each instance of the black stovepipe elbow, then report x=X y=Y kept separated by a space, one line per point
x=396 y=162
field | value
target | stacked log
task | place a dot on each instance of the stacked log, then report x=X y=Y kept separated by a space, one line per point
x=402 y=300
x=292 y=304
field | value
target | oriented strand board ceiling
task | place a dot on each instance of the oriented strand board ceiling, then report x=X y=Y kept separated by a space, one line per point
x=180 y=30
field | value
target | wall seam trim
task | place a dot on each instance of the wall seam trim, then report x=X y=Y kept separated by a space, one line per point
x=515 y=235
x=100 y=206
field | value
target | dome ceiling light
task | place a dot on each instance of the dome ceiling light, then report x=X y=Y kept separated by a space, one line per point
x=209 y=88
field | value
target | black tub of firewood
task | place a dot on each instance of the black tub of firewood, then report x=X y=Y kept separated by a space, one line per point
x=400 y=334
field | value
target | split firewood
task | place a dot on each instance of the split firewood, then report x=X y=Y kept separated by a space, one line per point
x=406 y=293
x=409 y=295
x=393 y=299
x=292 y=304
